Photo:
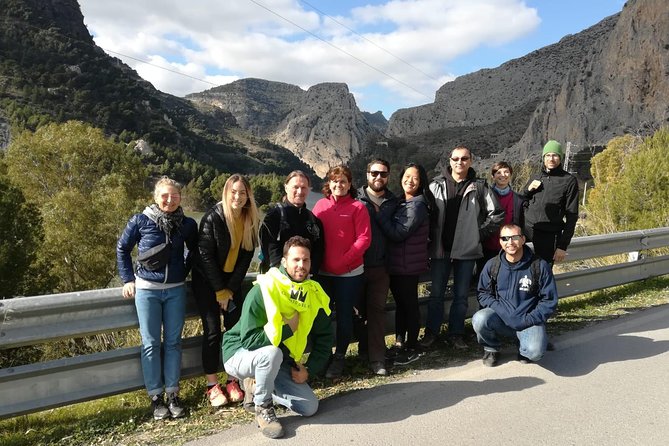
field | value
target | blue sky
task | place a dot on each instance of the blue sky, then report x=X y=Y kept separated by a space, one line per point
x=392 y=54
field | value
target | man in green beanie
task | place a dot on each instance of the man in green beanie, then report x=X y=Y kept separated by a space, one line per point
x=552 y=206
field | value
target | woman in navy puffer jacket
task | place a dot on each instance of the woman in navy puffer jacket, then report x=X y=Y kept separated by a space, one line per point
x=158 y=286
x=408 y=229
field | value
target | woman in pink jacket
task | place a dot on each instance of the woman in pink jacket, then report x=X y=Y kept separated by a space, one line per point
x=347 y=234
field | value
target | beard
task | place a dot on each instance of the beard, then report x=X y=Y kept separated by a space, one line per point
x=376 y=187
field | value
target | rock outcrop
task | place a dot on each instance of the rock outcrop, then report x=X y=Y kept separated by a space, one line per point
x=322 y=126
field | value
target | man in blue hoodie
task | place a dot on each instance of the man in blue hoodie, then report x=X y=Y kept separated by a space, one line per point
x=512 y=305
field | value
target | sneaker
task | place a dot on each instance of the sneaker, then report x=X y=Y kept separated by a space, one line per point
x=160 y=411
x=524 y=360
x=336 y=367
x=235 y=394
x=490 y=358
x=396 y=349
x=174 y=406
x=408 y=356
x=428 y=340
x=458 y=342
x=216 y=396
x=268 y=422
x=249 y=389
x=378 y=368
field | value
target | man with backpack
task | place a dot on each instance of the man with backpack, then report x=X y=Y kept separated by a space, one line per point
x=517 y=293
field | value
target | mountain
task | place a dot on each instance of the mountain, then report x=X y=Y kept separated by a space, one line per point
x=51 y=70
x=322 y=125
x=610 y=79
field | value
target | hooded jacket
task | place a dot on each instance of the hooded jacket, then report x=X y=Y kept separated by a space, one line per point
x=513 y=302
x=250 y=332
x=376 y=254
x=553 y=207
x=480 y=216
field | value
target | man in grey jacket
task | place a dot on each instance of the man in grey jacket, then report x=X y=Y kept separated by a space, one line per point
x=467 y=213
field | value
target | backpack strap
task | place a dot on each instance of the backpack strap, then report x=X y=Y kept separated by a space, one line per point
x=494 y=272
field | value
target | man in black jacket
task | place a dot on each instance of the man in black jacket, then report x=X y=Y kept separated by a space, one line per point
x=377 y=282
x=552 y=209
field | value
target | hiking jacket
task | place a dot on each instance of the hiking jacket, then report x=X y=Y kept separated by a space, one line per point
x=145 y=233
x=376 y=254
x=298 y=221
x=553 y=207
x=249 y=332
x=213 y=246
x=480 y=216
x=513 y=302
x=408 y=229
x=347 y=233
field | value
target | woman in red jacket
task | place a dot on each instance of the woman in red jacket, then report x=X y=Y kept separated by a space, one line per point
x=347 y=233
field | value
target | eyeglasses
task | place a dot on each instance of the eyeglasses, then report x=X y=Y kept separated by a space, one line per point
x=172 y=196
x=462 y=158
x=376 y=173
x=506 y=238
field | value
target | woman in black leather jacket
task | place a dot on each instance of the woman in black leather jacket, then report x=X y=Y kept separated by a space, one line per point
x=228 y=238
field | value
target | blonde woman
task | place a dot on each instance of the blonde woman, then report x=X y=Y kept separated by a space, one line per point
x=158 y=287
x=228 y=238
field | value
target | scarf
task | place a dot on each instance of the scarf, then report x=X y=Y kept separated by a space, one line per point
x=502 y=192
x=282 y=298
x=168 y=222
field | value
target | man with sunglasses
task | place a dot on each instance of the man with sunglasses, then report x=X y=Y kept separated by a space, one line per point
x=467 y=213
x=513 y=306
x=375 y=195
x=552 y=206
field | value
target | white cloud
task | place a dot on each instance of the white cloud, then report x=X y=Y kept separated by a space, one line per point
x=221 y=41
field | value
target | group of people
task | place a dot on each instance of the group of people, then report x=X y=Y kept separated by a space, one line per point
x=339 y=261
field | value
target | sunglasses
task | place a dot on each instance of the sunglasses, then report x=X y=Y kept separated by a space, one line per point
x=376 y=173
x=462 y=158
x=506 y=238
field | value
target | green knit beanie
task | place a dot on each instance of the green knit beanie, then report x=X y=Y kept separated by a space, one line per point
x=553 y=146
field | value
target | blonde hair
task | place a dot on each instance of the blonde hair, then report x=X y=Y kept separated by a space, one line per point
x=165 y=181
x=249 y=213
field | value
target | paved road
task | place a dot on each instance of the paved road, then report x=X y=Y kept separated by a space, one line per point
x=604 y=385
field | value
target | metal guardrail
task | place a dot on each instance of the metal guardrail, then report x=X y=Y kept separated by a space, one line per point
x=39 y=319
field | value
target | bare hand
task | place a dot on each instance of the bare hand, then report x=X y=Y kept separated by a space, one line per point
x=129 y=290
x=559 y=255
x=293 y=321
x=300 y=374
x=224 y=304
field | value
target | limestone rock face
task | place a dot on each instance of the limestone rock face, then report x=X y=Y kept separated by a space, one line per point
x=322 y=126
x=622 y=87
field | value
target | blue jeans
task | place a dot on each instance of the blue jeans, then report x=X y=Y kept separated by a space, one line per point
x=489 y=327
x=440 y=270
x=273 y=379
x=156 y=309
x=345 y=294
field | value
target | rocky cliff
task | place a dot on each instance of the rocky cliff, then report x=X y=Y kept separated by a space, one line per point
x=607 y=80
x=622 y=86
x=322 y=126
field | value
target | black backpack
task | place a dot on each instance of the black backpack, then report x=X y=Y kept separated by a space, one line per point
x=535 y=267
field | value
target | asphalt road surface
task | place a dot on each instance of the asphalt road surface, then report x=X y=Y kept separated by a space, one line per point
x=603 y=385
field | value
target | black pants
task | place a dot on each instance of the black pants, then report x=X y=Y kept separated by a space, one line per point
x=407 y=315
x=545 y=243
x=210 y=314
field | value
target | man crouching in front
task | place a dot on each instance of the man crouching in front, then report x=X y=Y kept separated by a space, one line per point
x=265 y=348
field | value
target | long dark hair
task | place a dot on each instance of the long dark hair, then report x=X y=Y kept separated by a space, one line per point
x=423 y=188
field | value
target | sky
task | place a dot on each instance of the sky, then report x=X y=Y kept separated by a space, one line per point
x=392 y=54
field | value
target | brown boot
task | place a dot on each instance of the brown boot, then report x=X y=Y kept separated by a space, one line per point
x=268 y=422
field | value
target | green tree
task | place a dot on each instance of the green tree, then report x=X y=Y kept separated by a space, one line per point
x=631 y=185
x=85 y=187
x=20 y=236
